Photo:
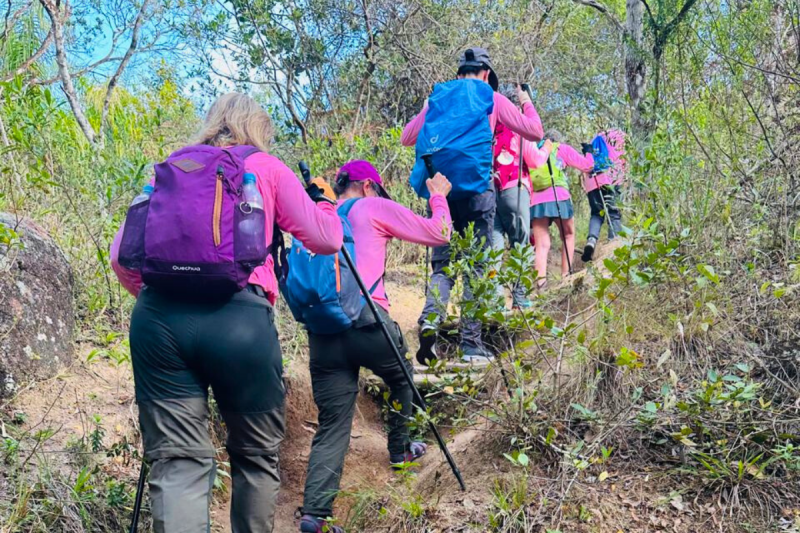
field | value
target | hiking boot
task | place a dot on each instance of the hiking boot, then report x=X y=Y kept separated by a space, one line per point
x=309 y=524
x=588 y=250
x=415 y=451
x=427 y=345
x=477 y=355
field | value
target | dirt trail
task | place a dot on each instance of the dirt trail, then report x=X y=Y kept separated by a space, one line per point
x=367 y=458
x=68 y=403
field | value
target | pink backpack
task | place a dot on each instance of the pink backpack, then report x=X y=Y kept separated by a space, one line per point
x=506 y=159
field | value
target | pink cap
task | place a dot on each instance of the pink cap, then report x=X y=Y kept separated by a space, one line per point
x=360 y=170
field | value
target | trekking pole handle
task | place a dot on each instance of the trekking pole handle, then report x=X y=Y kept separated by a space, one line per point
x=427 y=158
x=527 y=89
x=305 y=172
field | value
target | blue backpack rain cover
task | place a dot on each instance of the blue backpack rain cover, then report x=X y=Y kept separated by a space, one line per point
x=602 y=159
x=458 y=135
x=321 y=290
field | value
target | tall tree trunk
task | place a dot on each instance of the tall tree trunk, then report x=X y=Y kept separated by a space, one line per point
x=635 y=66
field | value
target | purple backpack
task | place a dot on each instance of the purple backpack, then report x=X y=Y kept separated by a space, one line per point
x=185 y=239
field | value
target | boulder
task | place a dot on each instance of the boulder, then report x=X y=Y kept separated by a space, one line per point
x=37 y=316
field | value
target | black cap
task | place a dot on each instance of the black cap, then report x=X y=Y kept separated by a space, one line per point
x=479 y=57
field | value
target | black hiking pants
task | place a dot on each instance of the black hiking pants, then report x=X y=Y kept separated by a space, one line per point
x=179 y=349
x=335 y=362
x=478 y=210
x=605 y=196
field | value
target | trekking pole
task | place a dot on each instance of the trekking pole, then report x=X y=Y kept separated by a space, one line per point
x=517 y=215
x=558 y=209
x=400 y=360
x=527 y=89
x=427 y=272
x=606 y=214
x=137 y=504
x=431 y=172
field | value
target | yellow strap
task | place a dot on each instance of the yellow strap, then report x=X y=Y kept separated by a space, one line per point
x=217 y=213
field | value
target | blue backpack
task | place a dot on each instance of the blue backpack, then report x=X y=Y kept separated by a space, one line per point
x=602 y=159
x=458 y=135
x=321 y=290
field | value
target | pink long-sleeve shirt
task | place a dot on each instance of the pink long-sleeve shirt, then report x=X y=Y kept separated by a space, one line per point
x=285 y=203
x=376 y=221
x=593 y=182
x=615 y=140
x=534 y=158
x=568 y=157
x=528 y=124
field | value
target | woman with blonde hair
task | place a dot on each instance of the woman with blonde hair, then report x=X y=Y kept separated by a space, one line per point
x=204 y=317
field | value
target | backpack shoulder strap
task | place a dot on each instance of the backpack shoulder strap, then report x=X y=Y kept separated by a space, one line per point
x=347 y=206
x=244 y=151
x=344 y=210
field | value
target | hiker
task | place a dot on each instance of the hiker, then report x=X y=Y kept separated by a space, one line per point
x=473 y=199
x=190 y=331
x=551 y=202
x=603 y=186
x=336 y=359
x=513 y=196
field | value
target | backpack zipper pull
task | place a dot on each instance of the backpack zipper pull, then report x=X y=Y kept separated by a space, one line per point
x=218 y=206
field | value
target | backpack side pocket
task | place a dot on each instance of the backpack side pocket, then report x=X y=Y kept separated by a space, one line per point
x=131 y=247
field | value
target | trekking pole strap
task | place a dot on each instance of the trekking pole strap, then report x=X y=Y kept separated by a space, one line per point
x=401 y=361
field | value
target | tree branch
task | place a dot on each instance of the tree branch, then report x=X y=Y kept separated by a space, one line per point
x=31 y=60
x=51 y=7
x=604 y=10
x=137 y=26
x=649 y=13
x=671 y=25
x=9 y=20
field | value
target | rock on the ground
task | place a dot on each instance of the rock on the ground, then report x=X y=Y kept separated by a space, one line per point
x=36 y=307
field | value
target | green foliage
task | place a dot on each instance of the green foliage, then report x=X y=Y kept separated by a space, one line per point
x=664 y=350
x=509 y=507
x=45 y=496
x=57 y=179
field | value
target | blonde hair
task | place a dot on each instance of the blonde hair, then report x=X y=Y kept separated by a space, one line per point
x=236 y=119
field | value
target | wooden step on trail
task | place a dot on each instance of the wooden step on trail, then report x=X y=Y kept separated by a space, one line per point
x=425 y=378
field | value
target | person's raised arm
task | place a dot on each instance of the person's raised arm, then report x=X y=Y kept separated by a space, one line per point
x=412 y=129
x=401 y=223
x=572 y=158
x=528 y=124
x=316 y=225
x=535 y=156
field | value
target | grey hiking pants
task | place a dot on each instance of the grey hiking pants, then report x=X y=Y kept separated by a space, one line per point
x=480 y=211
x=516 y=224
x=609 y=194
x=335 y=362
x=179 y=348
